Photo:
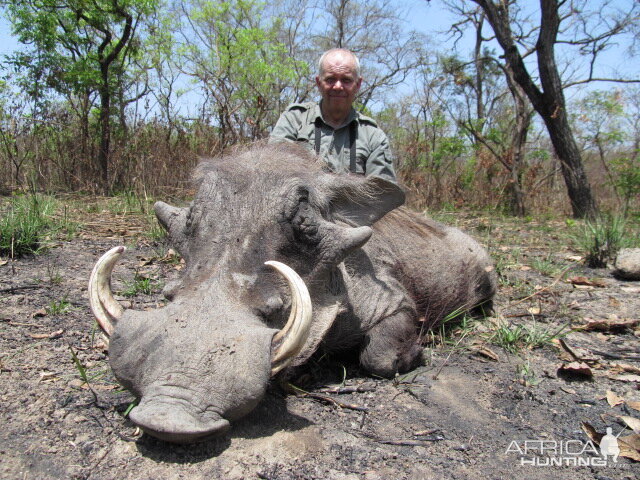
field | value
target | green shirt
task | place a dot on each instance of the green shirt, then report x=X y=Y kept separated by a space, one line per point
x=373 y=156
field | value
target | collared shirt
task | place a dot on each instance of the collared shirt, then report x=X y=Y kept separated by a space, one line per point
x=373 y=156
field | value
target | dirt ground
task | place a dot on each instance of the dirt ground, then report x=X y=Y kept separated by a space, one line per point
x=467 y=413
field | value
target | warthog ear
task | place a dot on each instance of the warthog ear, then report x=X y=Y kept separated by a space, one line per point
x=174 y=221
x=364 y=202
x=334 y=242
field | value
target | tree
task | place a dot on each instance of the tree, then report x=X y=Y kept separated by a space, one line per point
x=495 y=125
x=429 y=143
x=373 y=31
x=504 y=135
x=592 y=34
x=77 y=47
x=298 y=18
x=627 y=166
x=236 y=56
x=14 y=124
x=599 y=125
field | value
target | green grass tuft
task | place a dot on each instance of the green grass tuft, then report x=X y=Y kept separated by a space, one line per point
x=25 y=224
x=514 y=338
x=58 y=307
x=546 y=266
x=140 y=285
x=601 y=240
x=28 y=224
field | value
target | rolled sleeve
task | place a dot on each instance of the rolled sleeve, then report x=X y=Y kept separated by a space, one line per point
x=380 y=161
x=286 y=128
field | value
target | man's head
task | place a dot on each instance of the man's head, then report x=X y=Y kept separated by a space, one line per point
x=338 y=79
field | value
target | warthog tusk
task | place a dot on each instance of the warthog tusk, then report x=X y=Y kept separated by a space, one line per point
x=294 y=334
x=106 y=309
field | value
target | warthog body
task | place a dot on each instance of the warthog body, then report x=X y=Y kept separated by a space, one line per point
x=375 y=276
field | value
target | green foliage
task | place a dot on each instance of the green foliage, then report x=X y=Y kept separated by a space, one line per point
x=600 y=119
x=27 y=224
x=84 y=373
x=79 y=50
x=154 y=231
x=140 y=284
x=54 y=275
x=449 y=148
x=67 y=41
x=526 y=375
x=240 y=61
x=545 y=265
x=601 y=239
x=504 y=260
x=130 y=407
x=456 y=67
x=514 y=338
x=456 y=324
x=82 y=370
x=58 y=307
x=126 y=203
x=539 y=154
x=627 y=178
x=438 y=144
x=469 y=173
x=67 y=226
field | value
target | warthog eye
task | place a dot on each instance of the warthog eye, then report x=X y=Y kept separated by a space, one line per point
x=305 y=224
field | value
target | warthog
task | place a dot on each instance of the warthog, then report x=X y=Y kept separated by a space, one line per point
x=357 y=273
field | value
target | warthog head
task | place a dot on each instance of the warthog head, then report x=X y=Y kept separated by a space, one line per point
x=239 y=314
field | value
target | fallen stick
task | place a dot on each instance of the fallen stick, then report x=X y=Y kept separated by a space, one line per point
x=544 y=289
x=568 y=349
x=615 y=356
x=411 y=443
x=402 y=442
x=325 y=398
x=348 y=389
x=337 y=403
x=22 y=324
x=20 y=287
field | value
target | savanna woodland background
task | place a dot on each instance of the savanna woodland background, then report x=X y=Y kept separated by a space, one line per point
x=515 y=106
x=518 y=121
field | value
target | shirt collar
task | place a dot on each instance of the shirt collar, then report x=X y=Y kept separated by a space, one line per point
x=353 y=116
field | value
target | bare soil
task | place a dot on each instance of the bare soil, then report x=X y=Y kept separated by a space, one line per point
x=455 y=417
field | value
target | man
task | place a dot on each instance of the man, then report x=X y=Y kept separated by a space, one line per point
x=347 y=140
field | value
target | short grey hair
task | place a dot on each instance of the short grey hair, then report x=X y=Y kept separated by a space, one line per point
x=335 y=50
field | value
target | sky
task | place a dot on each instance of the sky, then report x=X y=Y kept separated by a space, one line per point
x=431 y=18
x=426 y=17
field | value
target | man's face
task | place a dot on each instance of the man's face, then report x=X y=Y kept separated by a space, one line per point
x=338 y=84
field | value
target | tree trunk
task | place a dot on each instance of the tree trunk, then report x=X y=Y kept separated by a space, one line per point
x=104 y=90
x=575 y=178
x=85 y=139
x=554 y=113
x=518 y=142
x=105 y=132
x=549 y=103
x=519 y=139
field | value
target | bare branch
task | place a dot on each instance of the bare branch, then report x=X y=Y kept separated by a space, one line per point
x=596 y=79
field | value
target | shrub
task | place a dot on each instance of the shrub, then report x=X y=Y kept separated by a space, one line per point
x=601 y=240
x=25 y=225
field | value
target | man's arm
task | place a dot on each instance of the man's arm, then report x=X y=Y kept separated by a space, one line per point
x=286 y=128
x=380 y=161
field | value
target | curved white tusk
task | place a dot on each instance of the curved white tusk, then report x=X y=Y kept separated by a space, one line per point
x=106 y=309
x=294 y=334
